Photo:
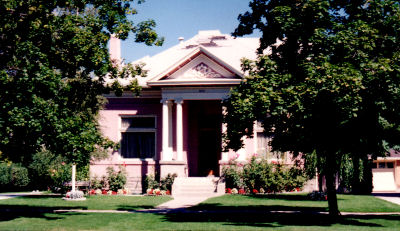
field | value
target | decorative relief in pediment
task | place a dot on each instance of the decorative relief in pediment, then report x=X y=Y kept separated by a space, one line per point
x=200 y=71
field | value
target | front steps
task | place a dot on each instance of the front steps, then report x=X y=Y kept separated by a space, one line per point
x=198 y=186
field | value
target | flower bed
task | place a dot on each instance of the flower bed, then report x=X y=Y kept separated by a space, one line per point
x=157 y=192
x=109 y=192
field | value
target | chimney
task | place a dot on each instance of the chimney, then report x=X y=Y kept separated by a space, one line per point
x=115 y=48
x=180 y=39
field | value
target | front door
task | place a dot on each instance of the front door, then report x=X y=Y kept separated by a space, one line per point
x=206 y=118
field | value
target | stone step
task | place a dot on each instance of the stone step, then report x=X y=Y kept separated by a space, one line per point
x=197 y=186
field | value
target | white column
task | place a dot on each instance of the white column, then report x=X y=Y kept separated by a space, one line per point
x=170 y=132
x=73 y=177
x=179 y=129
x=166 y=153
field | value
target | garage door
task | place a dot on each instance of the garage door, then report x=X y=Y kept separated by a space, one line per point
x=383 y=180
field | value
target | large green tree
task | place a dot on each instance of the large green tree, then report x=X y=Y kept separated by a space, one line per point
x=326 y=83
x=53 y=64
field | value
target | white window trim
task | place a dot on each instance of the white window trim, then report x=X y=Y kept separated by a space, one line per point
x=121 y=130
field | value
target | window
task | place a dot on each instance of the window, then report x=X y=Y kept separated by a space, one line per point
x=138 y=137
x=264 y=148
x=386 y=164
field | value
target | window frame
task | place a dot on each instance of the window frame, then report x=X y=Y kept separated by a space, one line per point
x=138 y=130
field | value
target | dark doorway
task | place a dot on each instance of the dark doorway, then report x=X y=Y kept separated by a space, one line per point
x=205 y=118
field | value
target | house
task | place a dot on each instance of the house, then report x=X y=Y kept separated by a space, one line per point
x=386 y=173
x=175 y=125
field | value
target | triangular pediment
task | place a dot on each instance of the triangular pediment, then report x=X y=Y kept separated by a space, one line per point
x=200 y=67
x=200 y=71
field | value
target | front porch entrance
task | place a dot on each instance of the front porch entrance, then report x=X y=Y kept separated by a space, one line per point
x=204 y=146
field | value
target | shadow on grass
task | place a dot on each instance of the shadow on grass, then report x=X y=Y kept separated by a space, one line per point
x=265 y=216
x=255 y=208
x=37 y=206
x=276 y=219
x=284 y=196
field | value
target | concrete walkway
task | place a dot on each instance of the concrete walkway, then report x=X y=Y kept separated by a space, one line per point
x=185 y=201
x=391 y=197
x=17 y=194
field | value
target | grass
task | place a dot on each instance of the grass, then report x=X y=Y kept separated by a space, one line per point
x=229 y=212
x=295 y=202
x=53 y=202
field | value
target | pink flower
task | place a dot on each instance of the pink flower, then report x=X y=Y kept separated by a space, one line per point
x=62 y=163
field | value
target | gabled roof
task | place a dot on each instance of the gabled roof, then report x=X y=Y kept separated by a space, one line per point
x=221 y=51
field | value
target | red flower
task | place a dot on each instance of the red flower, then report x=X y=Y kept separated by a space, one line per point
x=168 y=192
x=92 y=192
x=241 y=191
x=104 y=192
x=255 y=191
x=158 y=193
x=228 y=190
x=114 y=193
x=326 y=198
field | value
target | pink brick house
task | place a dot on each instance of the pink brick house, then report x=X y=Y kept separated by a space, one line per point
x=175 y=125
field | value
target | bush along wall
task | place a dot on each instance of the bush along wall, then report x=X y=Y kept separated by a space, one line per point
x=260 y=176
x=162 y=187
x=112 y=184
x=13 y=177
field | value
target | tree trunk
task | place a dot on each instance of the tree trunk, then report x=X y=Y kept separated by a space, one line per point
x=331 y=185
x=356 y=175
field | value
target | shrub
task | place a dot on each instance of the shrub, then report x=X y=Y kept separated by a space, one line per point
x=5 y=174
x=166 y=182
x=50 y=171
x=19 y=176
x=258 y=174
x=96 y=183
x=116 y=180
x=150 y=182
x=13 y=176
x=232 y=175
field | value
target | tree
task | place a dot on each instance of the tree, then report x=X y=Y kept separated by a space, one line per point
x=326 y=82
x=53 y=64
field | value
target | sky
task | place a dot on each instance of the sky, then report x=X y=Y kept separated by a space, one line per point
x=183 y=18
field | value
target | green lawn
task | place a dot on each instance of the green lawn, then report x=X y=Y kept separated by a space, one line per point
x=229 y=212
x=53 y=202
x=290 y=202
